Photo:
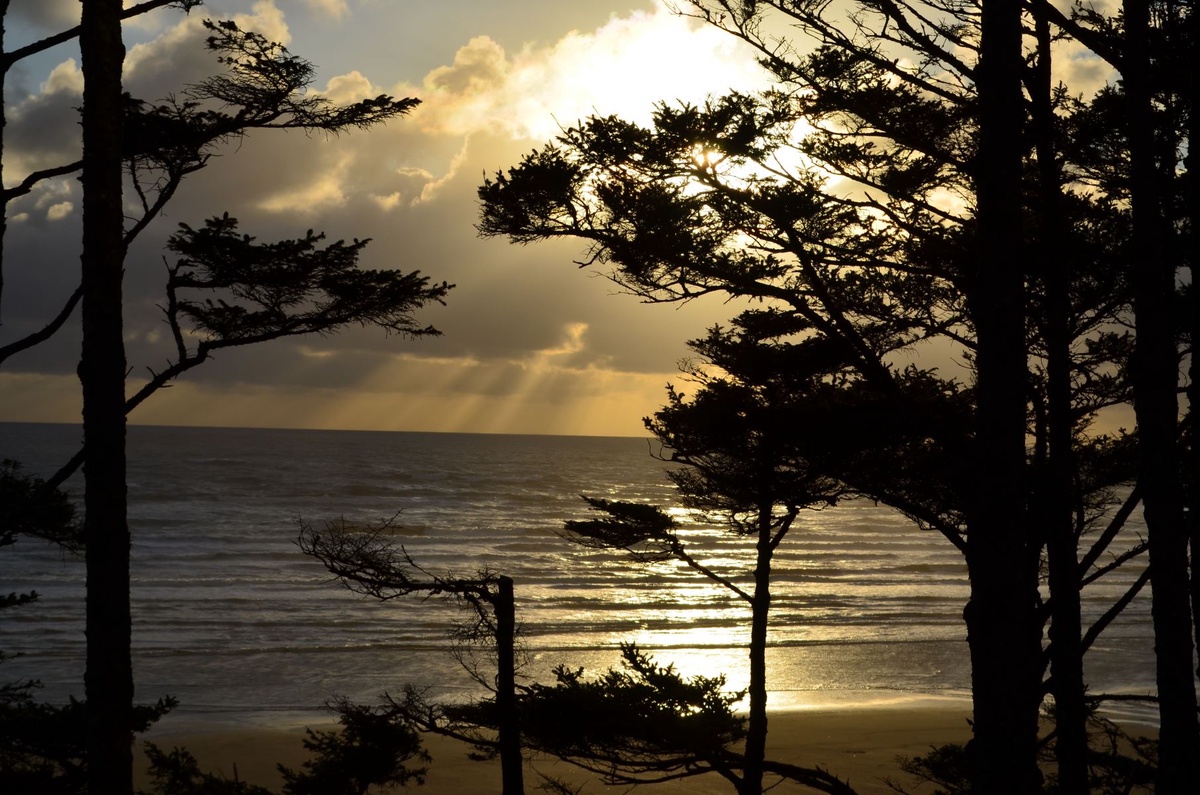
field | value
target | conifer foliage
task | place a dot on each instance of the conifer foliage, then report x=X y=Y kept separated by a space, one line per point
x=918 y=182
x=223 y=289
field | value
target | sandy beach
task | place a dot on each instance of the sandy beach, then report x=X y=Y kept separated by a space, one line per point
x=860 y=744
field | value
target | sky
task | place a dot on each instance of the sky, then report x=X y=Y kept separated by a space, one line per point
x=531 y=343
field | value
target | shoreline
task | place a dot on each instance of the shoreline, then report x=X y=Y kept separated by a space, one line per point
x=201 y=721
x=856 y=740
x=859 y=743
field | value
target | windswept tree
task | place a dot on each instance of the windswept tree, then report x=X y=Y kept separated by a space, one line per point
x=851 y=203
x=640 y=724
x=744 y=471
x=644 y=723
x=223 y=290
x=366 y=563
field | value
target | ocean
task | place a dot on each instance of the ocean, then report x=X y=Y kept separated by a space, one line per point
x=241 y=627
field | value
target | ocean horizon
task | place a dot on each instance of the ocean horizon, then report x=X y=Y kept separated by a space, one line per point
x=234 y=621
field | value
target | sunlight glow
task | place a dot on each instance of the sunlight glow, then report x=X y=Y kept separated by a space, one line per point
x=625 y=68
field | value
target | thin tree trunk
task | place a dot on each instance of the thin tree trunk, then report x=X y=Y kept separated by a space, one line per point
x=1003 y=631
x=1066 y=627
x=756 y=725
x=1190 y=247
x=1156 y=408
x=509 y=729
x=109 y=677
x=5 y=65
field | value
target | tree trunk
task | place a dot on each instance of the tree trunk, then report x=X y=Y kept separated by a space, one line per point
x=1190 y=246
x=1003 y=630
x=509 y=729
x=1155 y=368
x=1058 y=488
x=756 y=726
x=108 y=680
x=5 y=65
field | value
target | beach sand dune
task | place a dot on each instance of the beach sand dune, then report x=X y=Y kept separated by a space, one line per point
x=859 y=744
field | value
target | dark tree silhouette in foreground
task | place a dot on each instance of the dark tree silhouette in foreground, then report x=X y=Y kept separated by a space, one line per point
x=108 y=678
x=1004 y=632
x=641 y=724
x=878 y=254
x=366 y=563
x=644 y=723
x=745 y=470
x=368 y=750
x=273 y=290
x=1155 y=385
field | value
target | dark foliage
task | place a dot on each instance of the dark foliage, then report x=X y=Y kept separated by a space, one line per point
x=28 y=507
x=176 y=772
x=212 y=301
x=369 y=752
x=43 y=747
x=288 y=287
x=371 y=749
x=1118 y=763
x=643 y=719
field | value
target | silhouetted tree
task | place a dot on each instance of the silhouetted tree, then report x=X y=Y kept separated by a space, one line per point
x=1053 y=499
x=744 y=471
x=1155 y=384
x=641 y=724
x=366 y=563
x=108 y=678
x=44 y=747
x=368 y=750
x=644 y=723
x=176 y=772
x=1004 y=631
x=282 y=289
x=885 y=248
x=41 y=746
x=1190 y=245
x=8 y=59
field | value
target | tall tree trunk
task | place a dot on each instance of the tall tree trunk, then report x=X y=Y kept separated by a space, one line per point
x=5 y=65
x=1003 y=630
x=1154 y=391
x=760 y=608
x=108 y=680
x=509 y=729
x=1066 y=662
x=1191 y=245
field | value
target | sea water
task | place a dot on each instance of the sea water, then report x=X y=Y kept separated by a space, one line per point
x=234 y=621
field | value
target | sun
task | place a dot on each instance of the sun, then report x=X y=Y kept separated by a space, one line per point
x=626 y=68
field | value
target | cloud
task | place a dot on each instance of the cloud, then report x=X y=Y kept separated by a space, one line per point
x=1081 y=70
x=64 y=78
x=625 y=67
x=46 y=15
x=337 y=9
x=323 y=192
x=531 y=343
x=59 y=211
x=177 y=57
x=350 y=87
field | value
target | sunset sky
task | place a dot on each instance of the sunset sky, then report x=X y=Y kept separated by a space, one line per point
x=531 y=343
